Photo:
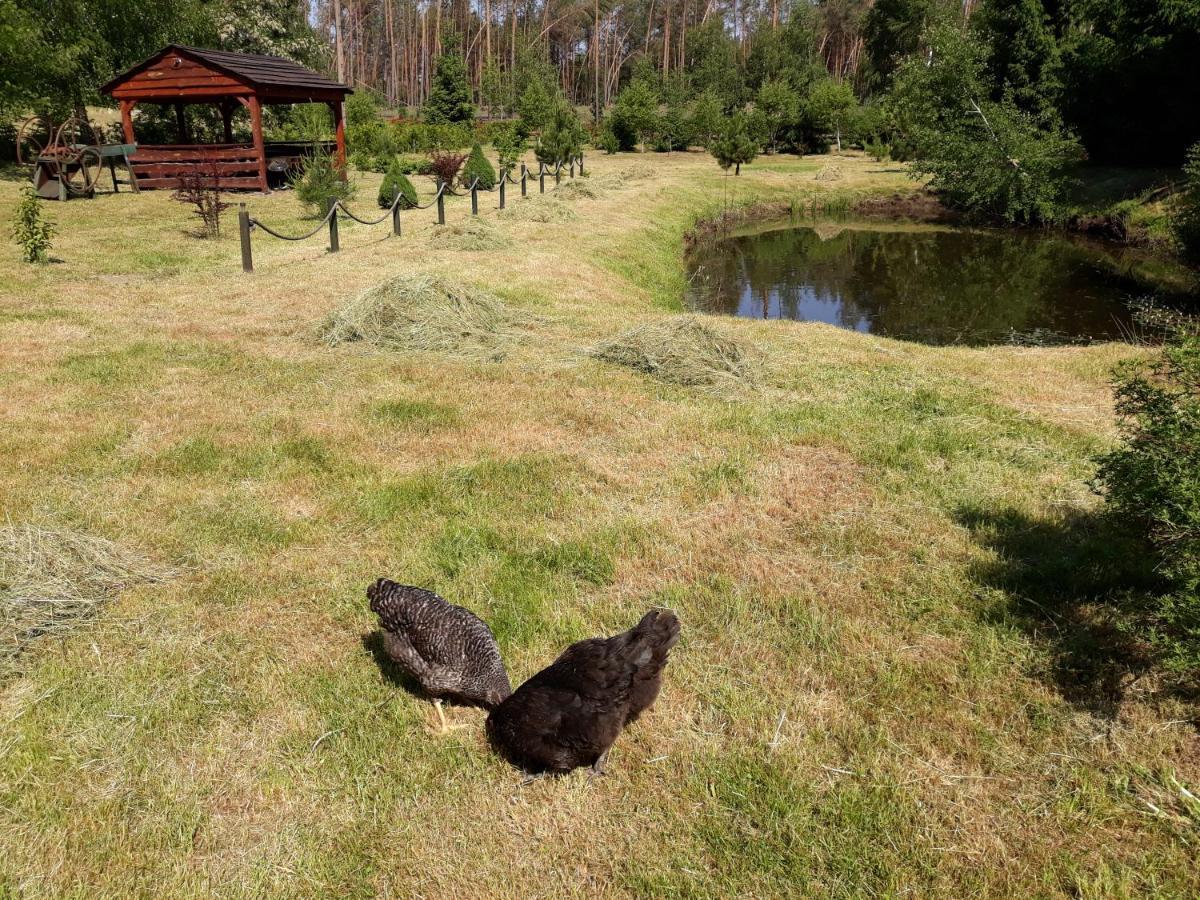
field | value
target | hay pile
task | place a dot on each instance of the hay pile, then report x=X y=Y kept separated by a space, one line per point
x=539 y=208
x=52 y=579
x=423 y=312
x=829 y=172
x=635 y=172
x=474 y=234
x=684 y=351
x=579 y=189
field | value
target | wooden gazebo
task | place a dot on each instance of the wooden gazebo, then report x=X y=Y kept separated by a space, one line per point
x=179 y=76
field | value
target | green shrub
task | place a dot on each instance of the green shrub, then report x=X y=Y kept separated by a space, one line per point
x=1185 y=211
x=29 y=229
x=509 y=142
x=396 y=181
x=1153 y=481
x=608 y=140
x=321 y=182
x=478 y=167
x=414 y=165
x=877 y=148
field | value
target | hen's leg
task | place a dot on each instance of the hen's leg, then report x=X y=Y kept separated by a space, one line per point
x=446 y=727
x=598 y=766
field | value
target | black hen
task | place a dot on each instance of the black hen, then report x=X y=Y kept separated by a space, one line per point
x=446 y=648
x=570 y=714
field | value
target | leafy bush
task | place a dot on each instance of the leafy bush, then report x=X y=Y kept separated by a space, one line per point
x=395 y=181
x=1153 y=481
x=414 y=165
x=878 y=149
x=478 y=167
x=985 y=157
x=424 y=138
x=608 y=140
x=446 y=165
x=1185 y=212
x=321 y=182
x=29 y=229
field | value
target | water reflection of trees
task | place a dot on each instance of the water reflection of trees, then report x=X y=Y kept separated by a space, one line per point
x=936 y=287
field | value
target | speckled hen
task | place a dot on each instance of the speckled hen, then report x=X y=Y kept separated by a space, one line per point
x=447 y=649
x=570 y=714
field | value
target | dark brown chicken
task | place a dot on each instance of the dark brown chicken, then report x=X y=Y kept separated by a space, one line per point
x=446 y=648
x=570 y=714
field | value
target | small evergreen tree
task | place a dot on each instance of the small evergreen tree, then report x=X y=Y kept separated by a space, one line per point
x=535 y=106
x=635 y=114
x=734 y=146
x=562 y=139
x=510 y=146
x=478 y=167
x=495 y=89
x=396 y=182
x=321 y=182
x=29 y=229
x=450 y=95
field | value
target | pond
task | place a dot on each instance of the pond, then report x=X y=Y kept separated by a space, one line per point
x=926 y=283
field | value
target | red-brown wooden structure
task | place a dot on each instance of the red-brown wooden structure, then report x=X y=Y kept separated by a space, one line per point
x=179 y=76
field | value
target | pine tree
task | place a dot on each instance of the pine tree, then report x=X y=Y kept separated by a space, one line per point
x=734 y=146
x=562 y=139
x=450 y=97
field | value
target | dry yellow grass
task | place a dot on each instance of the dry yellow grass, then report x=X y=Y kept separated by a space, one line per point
x=862 y=703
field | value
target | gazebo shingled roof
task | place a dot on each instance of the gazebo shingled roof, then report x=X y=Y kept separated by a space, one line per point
x=180 y=75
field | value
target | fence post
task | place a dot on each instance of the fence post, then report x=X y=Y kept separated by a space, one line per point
x=542 y=178
x=396 y=213
x=580 y=162
x=558 y=175
x=524 y=175
x=503 y=178
x=475 y=197
x=244 y=231
x=441 y=207
x=334 y=247
x=572 y=168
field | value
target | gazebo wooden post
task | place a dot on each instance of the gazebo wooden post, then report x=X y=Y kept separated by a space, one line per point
x=181 y=125
x=127 y=120
x=260 y=148
x=339 y=134
x=227 y=121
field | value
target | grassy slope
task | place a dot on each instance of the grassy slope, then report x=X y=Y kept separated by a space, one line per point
x=861 y=701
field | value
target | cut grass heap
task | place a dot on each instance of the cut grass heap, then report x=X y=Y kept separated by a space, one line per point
x=682 y=350
x=423 y=312
x=474 y=234
x=51 y=579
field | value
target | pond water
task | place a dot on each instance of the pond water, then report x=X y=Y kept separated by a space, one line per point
x=924 y=283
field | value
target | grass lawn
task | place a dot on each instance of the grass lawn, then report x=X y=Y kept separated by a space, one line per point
x=890 y=679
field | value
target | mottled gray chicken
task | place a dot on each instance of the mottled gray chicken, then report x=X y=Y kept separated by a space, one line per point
x=570 y=714
x=446 y=648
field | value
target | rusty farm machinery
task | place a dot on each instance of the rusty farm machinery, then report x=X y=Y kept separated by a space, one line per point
x=68 y=159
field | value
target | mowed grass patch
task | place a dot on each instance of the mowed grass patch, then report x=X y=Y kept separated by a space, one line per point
x=865 y=699
x=685 y=351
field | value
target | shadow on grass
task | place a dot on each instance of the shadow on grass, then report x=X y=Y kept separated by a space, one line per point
x=373 y=642
x=1070 y=582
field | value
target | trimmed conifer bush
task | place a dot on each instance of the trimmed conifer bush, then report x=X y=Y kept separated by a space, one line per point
x=396 y=181
x=478 y=167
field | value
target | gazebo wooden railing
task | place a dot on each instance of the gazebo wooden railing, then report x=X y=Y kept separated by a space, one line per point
x=180 y=76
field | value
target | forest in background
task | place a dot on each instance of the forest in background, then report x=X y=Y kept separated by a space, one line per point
x=1117 y=74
